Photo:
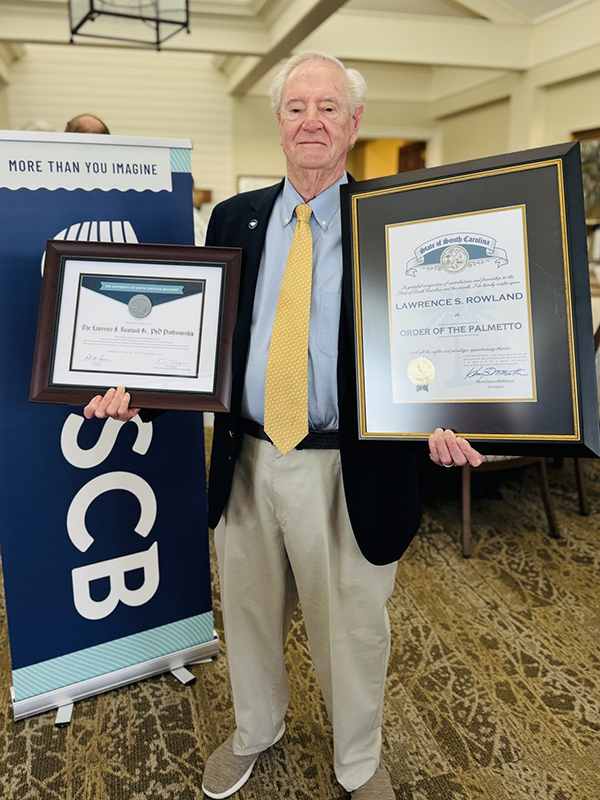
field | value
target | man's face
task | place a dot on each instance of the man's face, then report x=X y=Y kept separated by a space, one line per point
x=316 y=129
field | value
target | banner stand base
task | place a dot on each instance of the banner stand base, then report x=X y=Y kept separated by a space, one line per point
x=63 y=716
x=68 y=695
x=184 y=676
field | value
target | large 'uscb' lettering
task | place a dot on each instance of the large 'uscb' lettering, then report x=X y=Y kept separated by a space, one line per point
x=115 y=569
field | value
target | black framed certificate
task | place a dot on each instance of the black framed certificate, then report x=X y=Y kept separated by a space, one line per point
x=471 y=303
x=157 y=319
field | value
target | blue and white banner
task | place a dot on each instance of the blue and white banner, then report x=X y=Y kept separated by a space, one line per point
x=103 y=536
x=70 y=166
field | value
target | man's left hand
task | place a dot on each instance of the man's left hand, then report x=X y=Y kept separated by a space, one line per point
x=449 y=450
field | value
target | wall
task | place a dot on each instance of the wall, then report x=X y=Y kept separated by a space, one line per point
x=255 y=139
x=137 y=93
x=475 y=133
x=395 y=116
x=177 y=94
x=572 y=106
x=4 y=117
x=8 y=54
x=256 y=149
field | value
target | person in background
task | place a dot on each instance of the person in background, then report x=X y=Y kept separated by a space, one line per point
x=38 y=125
x=317 y=517
x=86 y=123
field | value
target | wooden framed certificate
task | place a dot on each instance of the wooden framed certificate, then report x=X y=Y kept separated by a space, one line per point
x=471 y=303
x=157 y=319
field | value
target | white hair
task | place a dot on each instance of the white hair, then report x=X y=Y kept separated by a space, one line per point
x=357 y=88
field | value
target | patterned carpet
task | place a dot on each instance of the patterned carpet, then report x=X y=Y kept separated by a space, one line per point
x=493 y=690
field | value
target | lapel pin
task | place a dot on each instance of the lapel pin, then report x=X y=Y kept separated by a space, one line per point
x=252 y=224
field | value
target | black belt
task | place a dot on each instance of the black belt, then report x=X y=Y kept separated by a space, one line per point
x=315 y=440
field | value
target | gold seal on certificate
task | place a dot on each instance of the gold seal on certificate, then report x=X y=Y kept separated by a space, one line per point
x=421 y=372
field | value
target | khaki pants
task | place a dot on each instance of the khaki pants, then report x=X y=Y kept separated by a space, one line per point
x=285 y=534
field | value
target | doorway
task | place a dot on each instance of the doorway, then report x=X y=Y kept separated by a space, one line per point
x=375 y=158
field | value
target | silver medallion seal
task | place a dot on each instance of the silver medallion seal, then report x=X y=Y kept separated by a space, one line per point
x=454 y=259
x=140 y=306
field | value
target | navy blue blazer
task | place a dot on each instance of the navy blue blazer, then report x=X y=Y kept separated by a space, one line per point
x=380 y=481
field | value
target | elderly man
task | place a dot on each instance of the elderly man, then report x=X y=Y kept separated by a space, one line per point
x=303 y=512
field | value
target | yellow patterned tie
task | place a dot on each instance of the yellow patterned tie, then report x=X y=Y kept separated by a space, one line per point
x=286 y=389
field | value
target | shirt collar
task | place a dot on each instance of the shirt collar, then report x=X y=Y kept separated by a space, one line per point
x=324 y=205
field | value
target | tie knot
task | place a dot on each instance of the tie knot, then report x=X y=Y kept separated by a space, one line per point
x=303 y=212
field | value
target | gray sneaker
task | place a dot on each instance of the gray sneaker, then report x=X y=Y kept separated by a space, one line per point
x=378 y=787
x=225 y=772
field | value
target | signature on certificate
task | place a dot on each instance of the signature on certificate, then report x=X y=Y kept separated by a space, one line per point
x=495 y=372
x=94 y=359
x=163 y=363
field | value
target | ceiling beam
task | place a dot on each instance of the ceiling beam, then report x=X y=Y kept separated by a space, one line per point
x=262 y=43
x=358 y=36
x=34 y=22
x=574 y=29
x=495 y=11
x=491 y=92
x=214 y=36
x=48 y=23
x=297 y=21
x=256 y=43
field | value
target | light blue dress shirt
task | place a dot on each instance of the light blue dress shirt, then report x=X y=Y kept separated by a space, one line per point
x=325 y=304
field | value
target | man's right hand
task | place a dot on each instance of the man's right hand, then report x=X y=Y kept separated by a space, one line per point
x=114 y=404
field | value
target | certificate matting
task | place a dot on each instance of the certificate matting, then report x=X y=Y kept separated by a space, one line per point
x=142 y=342
x=460 y=310
x=157 y=319
x=444 y=217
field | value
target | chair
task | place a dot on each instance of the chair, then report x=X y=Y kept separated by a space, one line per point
x=584 y=507
x=505 y=462
x=510 y=462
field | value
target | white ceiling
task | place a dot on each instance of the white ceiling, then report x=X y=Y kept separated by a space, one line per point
x=250 y=37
